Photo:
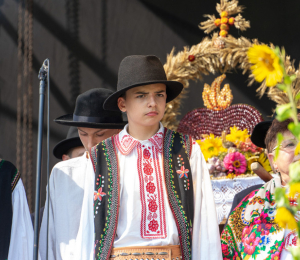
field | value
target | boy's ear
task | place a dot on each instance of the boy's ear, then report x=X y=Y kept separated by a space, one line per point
x=121 y=104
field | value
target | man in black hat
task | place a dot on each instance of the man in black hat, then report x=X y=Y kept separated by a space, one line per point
x=71 y=183
x=69 y=148
x=153 y=194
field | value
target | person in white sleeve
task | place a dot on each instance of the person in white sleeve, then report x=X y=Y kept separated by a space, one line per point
x=70 y=180
x=16 y=236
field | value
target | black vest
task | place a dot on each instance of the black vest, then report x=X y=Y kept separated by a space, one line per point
x=179 y=189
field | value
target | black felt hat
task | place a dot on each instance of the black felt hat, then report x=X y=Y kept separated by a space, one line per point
x=139 y=70
x=89 y=112
x=259 y=133
x=65 y=145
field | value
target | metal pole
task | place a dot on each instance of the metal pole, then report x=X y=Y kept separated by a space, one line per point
x=43 y=78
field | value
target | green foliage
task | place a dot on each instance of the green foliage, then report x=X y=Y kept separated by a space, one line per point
x=283 y=112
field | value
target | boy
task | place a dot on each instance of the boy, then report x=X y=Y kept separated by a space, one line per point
x=71 y=182
x=153 y=197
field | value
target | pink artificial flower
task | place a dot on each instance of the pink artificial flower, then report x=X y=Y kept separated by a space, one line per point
x=235 y=162
x=250 y=243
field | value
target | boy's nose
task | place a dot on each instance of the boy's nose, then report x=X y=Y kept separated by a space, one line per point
x=152 y=101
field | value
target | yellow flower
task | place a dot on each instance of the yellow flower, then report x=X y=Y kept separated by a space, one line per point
x=211 y=146
x=262 y=159
x=236 y=136
x=230 y=175
x=284 y=218
x=294 y=189
x=265 y=64
x=297 y=150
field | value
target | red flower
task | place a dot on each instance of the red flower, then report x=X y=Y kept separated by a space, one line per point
x=250 y=243
x=99 y=194
x=152 y=206
x=246 y=232
x=150 y=187
x=183 y=172
x=146 y=154
x=153 y=225
x=225 y=250
x=148 y=168
x=264 y=229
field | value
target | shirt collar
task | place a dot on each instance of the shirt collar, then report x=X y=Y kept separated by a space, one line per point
x=125 y=142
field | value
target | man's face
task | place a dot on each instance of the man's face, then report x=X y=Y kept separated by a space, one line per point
x=145 y=105
x=92 y=136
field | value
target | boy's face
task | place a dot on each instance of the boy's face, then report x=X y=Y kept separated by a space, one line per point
x=92 y=136
x=144 y=105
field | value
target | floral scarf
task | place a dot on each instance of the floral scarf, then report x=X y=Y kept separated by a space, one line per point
x=251 y=232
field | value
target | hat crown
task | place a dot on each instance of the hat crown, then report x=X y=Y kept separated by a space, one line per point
x=90 y=104
x=72 y=133
x=140 y=70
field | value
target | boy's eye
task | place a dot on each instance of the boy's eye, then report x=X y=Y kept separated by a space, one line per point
x=160 y=95
x=140 y=96
x=100 y=135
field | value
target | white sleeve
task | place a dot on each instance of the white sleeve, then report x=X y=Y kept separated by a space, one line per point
x=21 y=238
x=206 y=237
x=44 y=224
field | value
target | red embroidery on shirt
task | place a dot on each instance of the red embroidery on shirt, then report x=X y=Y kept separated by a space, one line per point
x=157 y=140
x=290 y=240
x=153 y=220
x=127 y=143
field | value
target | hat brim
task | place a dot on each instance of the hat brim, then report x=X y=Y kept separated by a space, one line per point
x=259 y=133
x=65 y=145
x=174 y=88
x=68 y=120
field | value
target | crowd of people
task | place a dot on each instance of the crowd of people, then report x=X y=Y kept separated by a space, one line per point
x=137 y=190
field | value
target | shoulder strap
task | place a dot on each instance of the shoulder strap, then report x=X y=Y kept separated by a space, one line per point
x=179 y=183
x=106 y=196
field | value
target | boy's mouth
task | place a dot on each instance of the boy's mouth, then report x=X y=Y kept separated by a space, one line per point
x=152 y=113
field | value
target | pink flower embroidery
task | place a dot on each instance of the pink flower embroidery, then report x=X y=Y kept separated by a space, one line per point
x=99 y=194
x=246 y=231
x=225 y=250
x=250 y=243
x=183 y=172
x=235 y=162
x=275 y=256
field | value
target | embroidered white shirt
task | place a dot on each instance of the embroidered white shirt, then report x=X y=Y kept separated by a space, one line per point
x=145 y=217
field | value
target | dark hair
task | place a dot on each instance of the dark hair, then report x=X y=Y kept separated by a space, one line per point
x=275 y=128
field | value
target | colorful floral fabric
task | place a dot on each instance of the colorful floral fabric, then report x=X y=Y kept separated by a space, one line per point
x=251 y=232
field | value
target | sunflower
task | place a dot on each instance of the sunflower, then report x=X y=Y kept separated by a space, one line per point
x=211 y=146
x=265 y=64
x=236 y=136
x=262 y=159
